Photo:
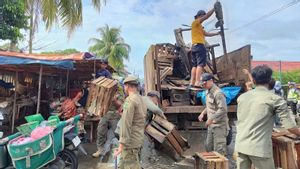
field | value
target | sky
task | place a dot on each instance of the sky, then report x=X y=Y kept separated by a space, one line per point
x=146 y=22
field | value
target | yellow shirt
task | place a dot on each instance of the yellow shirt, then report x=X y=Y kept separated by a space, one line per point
x=197 y=32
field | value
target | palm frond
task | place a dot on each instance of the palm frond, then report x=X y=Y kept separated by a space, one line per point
x=98 y=3
x=111 y=45
x=70 y=14
x=49 y=10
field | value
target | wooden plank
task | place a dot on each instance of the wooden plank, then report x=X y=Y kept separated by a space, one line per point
x=101 y=97
x=159 y=128
x=182 y=141
x=225 y=160
x=232 y=70
x=209 y=160
x=165 y=72
x=185 y=103
x=219 y=165
x=197 y=162
x=154 y=133
x=149 y=73
x=291 y=156
x=175 y=144
x=285 y=153
x=283 y=156
x=164 y=123
x=110 y=93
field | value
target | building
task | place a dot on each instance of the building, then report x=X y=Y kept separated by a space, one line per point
x=286 y=66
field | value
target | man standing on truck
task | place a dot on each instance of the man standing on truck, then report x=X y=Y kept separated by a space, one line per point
x=256 y=113
x=198 y=46
x=132 y=126
x=217 y=120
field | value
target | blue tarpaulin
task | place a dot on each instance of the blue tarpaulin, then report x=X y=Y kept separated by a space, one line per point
x=230 y=93
x=8 y=60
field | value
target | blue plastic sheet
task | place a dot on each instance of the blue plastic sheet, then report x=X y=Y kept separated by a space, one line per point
x=230 y=93
x=6 y=85
x=65 y=64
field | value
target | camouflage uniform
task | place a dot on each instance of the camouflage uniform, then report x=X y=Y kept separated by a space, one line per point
x=216 y=108
x=132 y=131
x=108 y=121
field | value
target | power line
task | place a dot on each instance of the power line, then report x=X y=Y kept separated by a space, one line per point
x=267 y=15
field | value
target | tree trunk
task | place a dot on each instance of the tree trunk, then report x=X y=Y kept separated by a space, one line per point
x=12 y=47
x=31 y=31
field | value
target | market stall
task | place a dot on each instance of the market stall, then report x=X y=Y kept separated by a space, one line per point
x=30 y=82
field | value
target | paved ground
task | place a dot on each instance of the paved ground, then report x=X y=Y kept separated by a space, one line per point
x=195 y=138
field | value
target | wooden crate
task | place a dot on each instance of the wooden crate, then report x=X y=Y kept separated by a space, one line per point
x=211 y=160
x=101 y=93
x=165 y=133
x=286 y=152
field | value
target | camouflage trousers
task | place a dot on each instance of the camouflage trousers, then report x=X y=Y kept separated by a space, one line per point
x=130 y=159
x=108 y=121
x=216 y=139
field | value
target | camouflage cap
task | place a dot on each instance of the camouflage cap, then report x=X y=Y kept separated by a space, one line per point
x=154 y=93
x=131 y=80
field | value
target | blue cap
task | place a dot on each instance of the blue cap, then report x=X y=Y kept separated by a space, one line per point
x=200 y=13
x=206 y=77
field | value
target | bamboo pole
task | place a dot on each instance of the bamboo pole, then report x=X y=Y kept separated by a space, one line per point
x=39 y=90
x=15 y=103
x=67 y=83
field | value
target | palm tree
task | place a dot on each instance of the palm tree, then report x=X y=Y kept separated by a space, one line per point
x=68 y=13
x=110 y=46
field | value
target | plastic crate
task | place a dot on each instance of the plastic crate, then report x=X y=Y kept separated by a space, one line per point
x=27 y=128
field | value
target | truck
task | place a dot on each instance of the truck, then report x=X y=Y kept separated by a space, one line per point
x=167 y=68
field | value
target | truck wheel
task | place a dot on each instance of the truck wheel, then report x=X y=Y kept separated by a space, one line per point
x=69 y=158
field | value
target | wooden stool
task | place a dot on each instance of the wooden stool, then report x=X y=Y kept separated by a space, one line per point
x=211 y=160
x=92 y=122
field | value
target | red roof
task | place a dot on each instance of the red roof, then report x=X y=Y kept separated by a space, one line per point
x=275 y=65
x=74 y=57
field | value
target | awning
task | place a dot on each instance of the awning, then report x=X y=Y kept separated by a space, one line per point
x=65 y=64
x=55 y=60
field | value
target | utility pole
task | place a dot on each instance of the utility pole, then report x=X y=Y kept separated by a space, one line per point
x=280 y=71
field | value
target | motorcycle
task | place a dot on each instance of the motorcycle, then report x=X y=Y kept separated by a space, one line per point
x=65 y=156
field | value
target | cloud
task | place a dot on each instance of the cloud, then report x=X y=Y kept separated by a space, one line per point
x=146 y=22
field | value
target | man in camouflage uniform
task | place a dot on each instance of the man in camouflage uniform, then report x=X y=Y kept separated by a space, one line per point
x=152 y=101
x=132 y=126
x=217 y=120
x=108 y=121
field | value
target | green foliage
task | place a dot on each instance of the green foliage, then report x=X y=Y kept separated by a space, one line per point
x=8 y=46
x=12 y=19
x=68 y=13
x=288 y=76
x=110 y=45
x=63 y=52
